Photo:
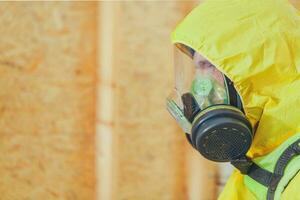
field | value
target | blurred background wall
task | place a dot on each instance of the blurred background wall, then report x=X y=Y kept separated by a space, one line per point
x=148 y=155
x=82 y=104
x=47 y=100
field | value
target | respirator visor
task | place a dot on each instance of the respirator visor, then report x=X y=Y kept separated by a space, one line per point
x=198 y=85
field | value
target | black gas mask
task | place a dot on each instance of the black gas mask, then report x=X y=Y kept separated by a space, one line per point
x=208 y=108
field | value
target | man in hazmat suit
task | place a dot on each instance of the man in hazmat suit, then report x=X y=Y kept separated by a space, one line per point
x=237 y=93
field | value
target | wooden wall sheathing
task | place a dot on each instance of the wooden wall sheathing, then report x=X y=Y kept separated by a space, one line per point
x=150 y=149
x=47 y=100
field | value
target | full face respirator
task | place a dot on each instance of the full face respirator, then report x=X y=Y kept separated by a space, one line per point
x=207 y=107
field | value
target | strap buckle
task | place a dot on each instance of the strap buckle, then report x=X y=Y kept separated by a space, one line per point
x=243 y=164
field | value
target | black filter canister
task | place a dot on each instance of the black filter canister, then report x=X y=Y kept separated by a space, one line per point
x=222 y=134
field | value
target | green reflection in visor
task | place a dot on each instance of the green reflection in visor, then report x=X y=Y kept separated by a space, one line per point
x=201 y=86
x=208 y=92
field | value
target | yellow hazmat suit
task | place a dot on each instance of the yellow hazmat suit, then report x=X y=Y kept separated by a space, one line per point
x=256 y=43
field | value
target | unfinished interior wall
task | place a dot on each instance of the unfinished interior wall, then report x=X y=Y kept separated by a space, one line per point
x=148 y=155
x=47 y=100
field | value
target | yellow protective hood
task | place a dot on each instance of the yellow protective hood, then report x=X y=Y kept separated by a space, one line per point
x=256 y=43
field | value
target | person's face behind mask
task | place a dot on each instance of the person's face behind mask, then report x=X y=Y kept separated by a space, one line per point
x=208 y=86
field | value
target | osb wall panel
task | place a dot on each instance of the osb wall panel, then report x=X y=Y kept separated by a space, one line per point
x=149 y=145
x=150 y=150
x=47 y=100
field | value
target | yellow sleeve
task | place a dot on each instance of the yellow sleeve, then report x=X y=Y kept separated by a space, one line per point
x=235 y=189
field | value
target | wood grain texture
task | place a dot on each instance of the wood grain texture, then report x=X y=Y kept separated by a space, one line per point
x=150 y=149
x=105 y=137
x=151 y=153
x=47 y=100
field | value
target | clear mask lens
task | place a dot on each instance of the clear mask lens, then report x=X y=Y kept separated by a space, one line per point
x=195 y=75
